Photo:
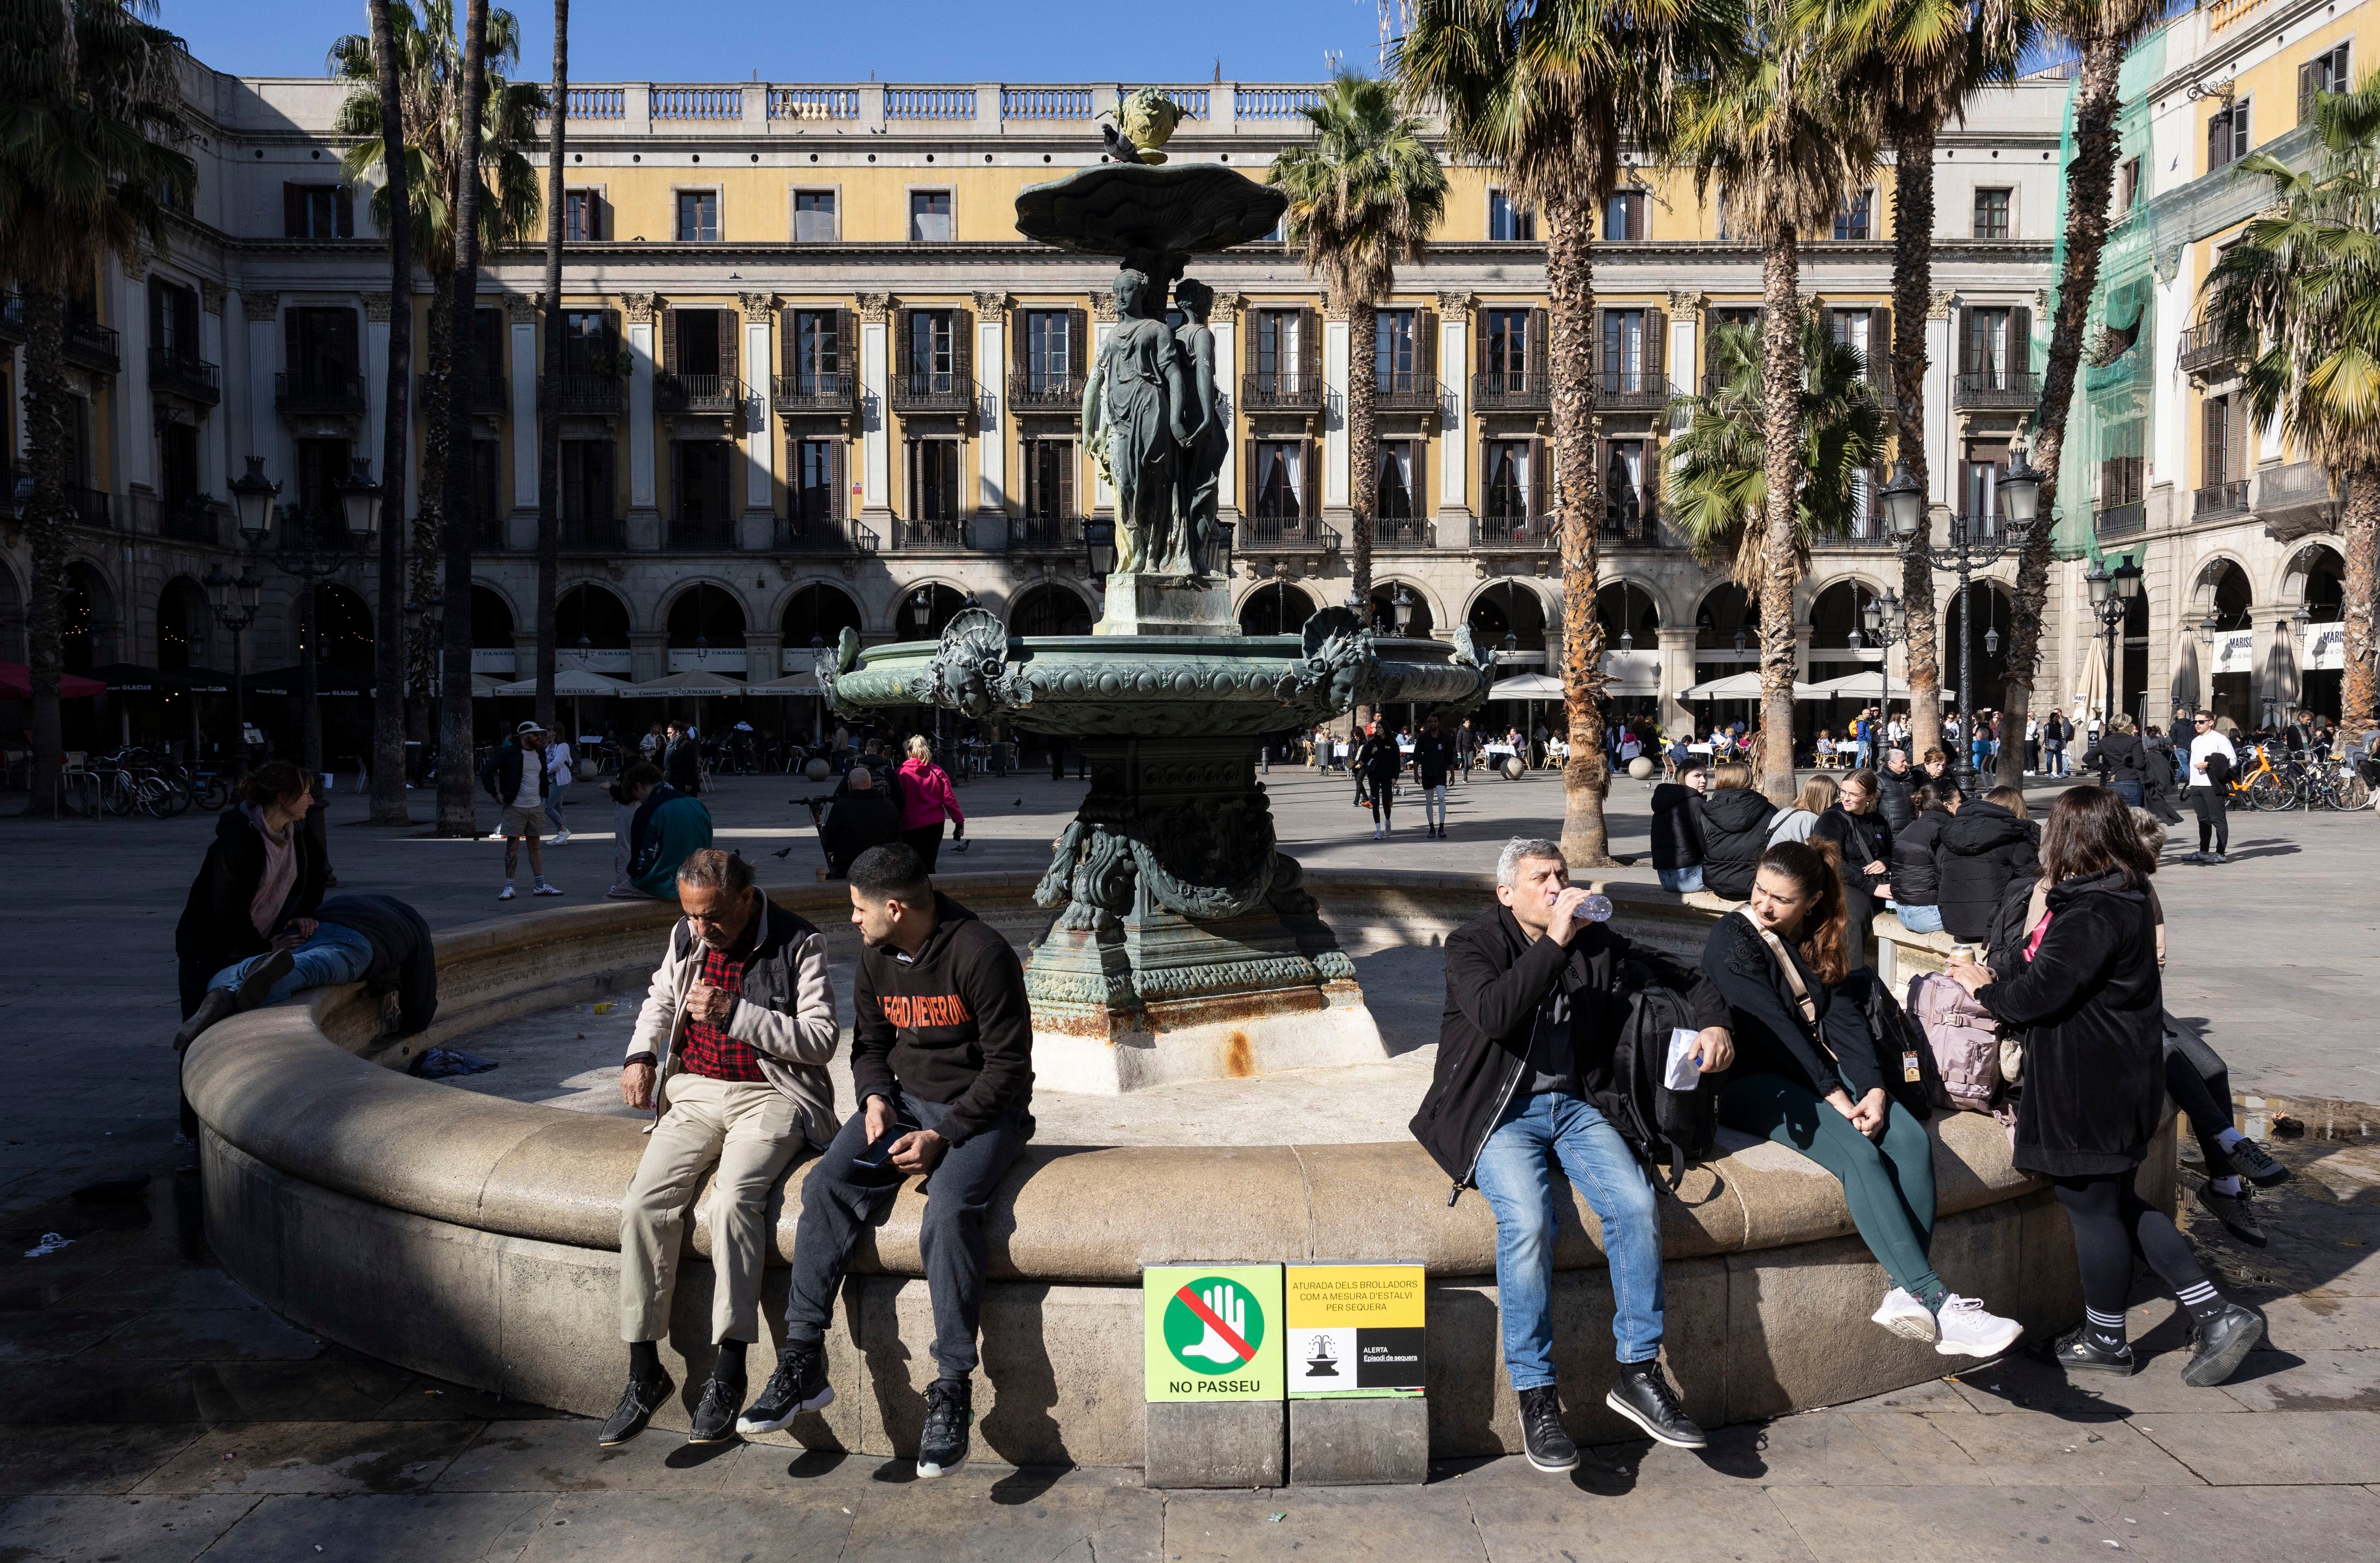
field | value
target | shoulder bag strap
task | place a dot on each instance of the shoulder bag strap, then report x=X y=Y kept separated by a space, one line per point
x=1776 y=952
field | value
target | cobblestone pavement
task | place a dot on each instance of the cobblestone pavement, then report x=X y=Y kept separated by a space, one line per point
x=148 y=1409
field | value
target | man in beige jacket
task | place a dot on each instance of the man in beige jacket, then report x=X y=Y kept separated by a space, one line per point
x=731 y=1053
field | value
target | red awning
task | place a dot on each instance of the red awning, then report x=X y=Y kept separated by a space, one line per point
x=17 y=683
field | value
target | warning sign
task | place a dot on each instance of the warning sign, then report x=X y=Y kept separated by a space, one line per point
x=1354 y=1329
x=1213 y=1332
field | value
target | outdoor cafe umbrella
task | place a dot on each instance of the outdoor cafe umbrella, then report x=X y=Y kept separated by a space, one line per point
x=131 y=678
x=577 y=684
x=1744 y=686
x=17 y=683
x=1529 y=686
x=687 y=685
x=330 y=682
x=1857 y=685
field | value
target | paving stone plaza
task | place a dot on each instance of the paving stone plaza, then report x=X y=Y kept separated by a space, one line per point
x=149 y=1409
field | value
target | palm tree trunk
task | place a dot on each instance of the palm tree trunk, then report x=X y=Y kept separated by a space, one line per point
x=421 y=570
x=2090 y=182
x=1570 y=363
x=1780 y=418
x=388 y=649
x=457 y=778
x=549 y=407
x=1912 y=297
x=1363 y=461
x=2359 y=710
x=45 y=531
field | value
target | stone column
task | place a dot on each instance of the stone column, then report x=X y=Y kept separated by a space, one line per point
x=521 y=311
x=763 y=651
x=648 y=657
x=1225 y=320
x=1677 y=647
x=644 y=512
x=1337 y=344
x=874 y=414
x=1103 y=321
x=1452 y=526
x=1938 y=361
x=135 y=432
x=214 y=424
x=756 y=531
x=988 y=527
x=376 y=369
x=262 y=311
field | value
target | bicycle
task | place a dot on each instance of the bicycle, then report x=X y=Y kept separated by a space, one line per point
x=2259 y=786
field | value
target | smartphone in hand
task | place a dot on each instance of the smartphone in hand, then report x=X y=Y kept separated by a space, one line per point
x=878 y=1155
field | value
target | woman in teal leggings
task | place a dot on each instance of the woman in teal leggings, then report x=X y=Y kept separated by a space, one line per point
x=1807 y=1075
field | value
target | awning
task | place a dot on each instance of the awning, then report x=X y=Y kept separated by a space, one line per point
x=792 y=683
x=329 y=682
x=1744 y=686
x=688 y=685
x=1853 y=686
x=1527 y=687
x=131 y=678
x=17 y=683
x=569 y=684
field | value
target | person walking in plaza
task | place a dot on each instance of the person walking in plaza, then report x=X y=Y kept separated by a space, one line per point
x=1808 y=1075
x=1795 y=823
x=516 y=778
x=1378 y=760
x=1678 y=827
x=1916 y=875
x=941 y=1060
x=375 y=939
x=1863 y=844
x=928 y=802
x=1433 y=762
x=1522 y=1084
x=730 y=1054
x=2053 y=733
x=681 y=760
x=559 y=776
x=1988 y=844
x=2090 y=1002
x=2119 y=760
x=1735 y=821
x=2213 y=761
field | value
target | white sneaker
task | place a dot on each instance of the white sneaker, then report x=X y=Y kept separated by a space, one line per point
x=559 y=837
x=1968 y=1331
x=544 y=889
x=505 y=894
x=1906 y=1317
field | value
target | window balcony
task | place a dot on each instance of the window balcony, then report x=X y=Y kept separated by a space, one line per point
x=823 y=537
x=1631 y=519
x=192 y=519
x=307 y=392
x=711 y=396
x=943 y=537
x=1029 y=391
x=811 y=393
x=2120 y=520
x=91 y=507
x=581 y=394
x=1639 y=388
x=593 y=533
x=1404 y=532
x=2219 y=499
x=1286 y=534
x=700 y=534
x=933 y=391
x=92 y=345
x=1406 y=391
x=483 y=394
x=1281 y=391
x=1045 y=534
x=1511 y=391
x=2205 y=354
x=179 y=374
x=1531 y=532
x=2295 y=500
x=1996 y=391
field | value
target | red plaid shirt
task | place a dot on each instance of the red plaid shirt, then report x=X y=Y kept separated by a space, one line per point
x=707 y=1050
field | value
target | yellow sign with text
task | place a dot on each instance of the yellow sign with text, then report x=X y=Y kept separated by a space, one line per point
x=1355 y=1330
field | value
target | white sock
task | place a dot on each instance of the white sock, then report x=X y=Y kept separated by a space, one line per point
x=509 y=881
x=2229 y=1138
x=2225 y=1185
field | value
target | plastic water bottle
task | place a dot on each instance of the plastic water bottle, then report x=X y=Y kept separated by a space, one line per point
x=1594 y=909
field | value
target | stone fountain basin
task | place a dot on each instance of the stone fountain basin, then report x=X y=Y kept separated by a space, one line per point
x=475 y=1239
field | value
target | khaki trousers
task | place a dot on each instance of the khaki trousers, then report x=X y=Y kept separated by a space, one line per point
x=751 y=1130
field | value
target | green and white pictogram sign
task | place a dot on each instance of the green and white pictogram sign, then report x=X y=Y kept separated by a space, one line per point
x=1212 y=1332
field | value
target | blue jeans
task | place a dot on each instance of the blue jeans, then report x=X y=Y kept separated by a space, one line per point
x=2129 y=791
x=1512 y=1177
x=332 y=956
x=1918 y=919
x=1681 y=880
x=554 y=808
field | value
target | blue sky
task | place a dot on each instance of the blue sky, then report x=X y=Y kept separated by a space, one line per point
x=897 y=39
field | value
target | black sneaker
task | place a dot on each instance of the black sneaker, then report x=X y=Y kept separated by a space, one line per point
x=1549 y=1446
x=258 y=984
x=2256 y=1166
x=2220 y=1343
x=1645 y=1398
x=2233 y=1211
x=799 y=1384
x=637 y=1402
x=220 y=1004
x=2077 y=1353
x=949 y=1409
x=714 y=1418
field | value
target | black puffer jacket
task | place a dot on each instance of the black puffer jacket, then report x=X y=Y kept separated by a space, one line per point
x=1916 y=880
x=1677 y=827
x=1892 y=800
x=1983 y=848
x=1735 y=833
x=2091 y=1004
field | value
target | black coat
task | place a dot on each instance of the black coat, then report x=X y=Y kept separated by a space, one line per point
x=1892 y=800
x=1735 y=823
x=215 y=928
x=1983 y=848
x=1916 y=881
x=1863 y=838
x=502 y=774
x=1495 y=978
x=1766 y=1020
x=1677 y=827
x=2118 y=755
x=682 y=764
x=403 y=956
x=2091 y=1005
x=857 y=822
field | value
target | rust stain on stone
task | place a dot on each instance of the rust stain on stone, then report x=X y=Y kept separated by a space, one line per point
x=1239 y=1063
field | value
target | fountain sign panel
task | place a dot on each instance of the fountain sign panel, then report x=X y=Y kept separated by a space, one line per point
x=1213 y=1332
x=1355 y=1331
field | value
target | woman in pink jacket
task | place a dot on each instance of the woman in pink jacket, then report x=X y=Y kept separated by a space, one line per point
x=925 y=801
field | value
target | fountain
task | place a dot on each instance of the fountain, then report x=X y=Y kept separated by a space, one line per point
x=1184 y=946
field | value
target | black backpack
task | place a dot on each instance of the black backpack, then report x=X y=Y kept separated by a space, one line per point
x=1896 y=1037
x=1666 y=1128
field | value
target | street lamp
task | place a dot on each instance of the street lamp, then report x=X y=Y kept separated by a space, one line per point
x=1401 y=609
x=1884 y=627
x=1904 y=502
x=235 y=603
x=922 y=608
x=1098 y=547
x=1971 y=545
x=360 y=497
x=252 y=498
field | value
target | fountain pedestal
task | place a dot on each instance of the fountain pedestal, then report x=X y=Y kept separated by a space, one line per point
x=1148 y=605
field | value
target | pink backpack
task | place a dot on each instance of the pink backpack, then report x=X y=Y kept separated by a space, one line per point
x=1965 y=1037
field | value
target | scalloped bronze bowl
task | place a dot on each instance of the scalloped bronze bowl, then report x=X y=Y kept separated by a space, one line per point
x=1134 y=211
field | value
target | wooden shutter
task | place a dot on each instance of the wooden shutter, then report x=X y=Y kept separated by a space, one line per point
x=961 y=346
x=1541 y=479
x=1020 y=335
x=1065 y=466
x=1538 y=356
x=293 y=210
x=2306 y=92
x=611 y=342
x=1657 y=350
x=839 y=478
x=669 y=339
x=900 y=339
x=1879 y=346
x=1309 y=348
x=730 y=341
x=1968 y=341
x=160 y=301
x=2218 y=140
x=2020 y=330
x=789 y=339
x=1078 y=344
x=1418 y=479
x=1309 y=502
x=345 y=204
x=2212 y=443
x=1425 y=342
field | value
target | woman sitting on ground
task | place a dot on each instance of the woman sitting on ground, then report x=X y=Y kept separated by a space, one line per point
x=2091 y=1003
x=1807 y=1075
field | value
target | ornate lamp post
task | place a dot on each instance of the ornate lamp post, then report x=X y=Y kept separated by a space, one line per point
x=2112 y=594
x=1968 y=550
x=1884 y=626
x=234 y=603
x=2300 y=618
x=309 y=550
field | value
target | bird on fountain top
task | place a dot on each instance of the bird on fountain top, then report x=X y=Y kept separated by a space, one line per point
x=1145 y=122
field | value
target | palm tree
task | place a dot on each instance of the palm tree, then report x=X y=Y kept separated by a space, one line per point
x=1776 y=127
x=2295 y=298
x=1718 y=488
x=548 y=407
x=2102 y=31
x=90 y=117
x=1547 y=92
x=457 y=780
x=1363 y=196
x=388 y=651
x=429 y=69
x=1916 y=62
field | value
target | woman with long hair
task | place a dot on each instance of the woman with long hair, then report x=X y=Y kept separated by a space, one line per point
x=1862 y=842
x=1735 y=821
x=2091 y=1003
x=1807 y=1075
x=926 y=800
x=1794 y=824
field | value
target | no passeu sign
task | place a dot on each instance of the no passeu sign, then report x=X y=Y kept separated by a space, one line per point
x=1212 y=1332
